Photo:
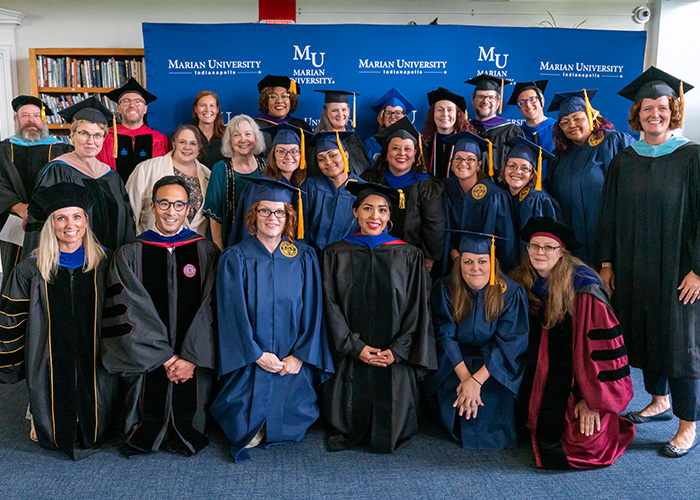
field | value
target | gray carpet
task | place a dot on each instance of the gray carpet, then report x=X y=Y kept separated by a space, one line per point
x=430 y=466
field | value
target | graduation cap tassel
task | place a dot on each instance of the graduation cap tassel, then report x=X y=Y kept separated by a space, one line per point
x=346 y=165
x=115 y=151
x=500 y=105
x=302 y=161
x=420 y=147
x=589 y=110
x=300 y=221
x=538 y=184
x=402 y=199
x=682 y=99
x=490 y=157
x=43 y=112
x=492 y=273
x=293 y=86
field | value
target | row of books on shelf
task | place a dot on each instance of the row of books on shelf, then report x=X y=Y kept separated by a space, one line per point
x=58 y=102
x=87 y=72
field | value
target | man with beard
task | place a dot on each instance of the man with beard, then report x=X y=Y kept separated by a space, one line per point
x=135 y=142
x=22 y=158
x=486 y=101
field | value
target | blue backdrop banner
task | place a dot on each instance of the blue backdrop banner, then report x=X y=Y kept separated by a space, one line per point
x=229 y=59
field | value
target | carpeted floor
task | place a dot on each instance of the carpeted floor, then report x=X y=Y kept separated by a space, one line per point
x=430 y=466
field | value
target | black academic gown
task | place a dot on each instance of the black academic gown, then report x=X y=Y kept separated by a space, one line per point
x=498 y=135
x=376 y=297
x=20 y=167
x=160 y=304
x=211 y=151
x=49 y=334
x=649 y=228
x=358 y=161
x=110 y=216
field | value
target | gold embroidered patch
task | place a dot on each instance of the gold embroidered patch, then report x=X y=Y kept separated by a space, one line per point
x=503 y=286
x=288 y=249
x=524 y=193
x=478 y=191
x=593 y=141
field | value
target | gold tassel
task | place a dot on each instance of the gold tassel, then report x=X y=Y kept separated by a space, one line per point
x=490 y=157
x=682 y=99
x=500 y=106
x=342 y=152
x=302 y=161
x=402 y=199
x=293 y=86
x=115 y=151
x=354 y=110
x=591 y=113
x=538 y=184
x=43 y=112
x=492 y=273
x=420 y=149
x=300 y=221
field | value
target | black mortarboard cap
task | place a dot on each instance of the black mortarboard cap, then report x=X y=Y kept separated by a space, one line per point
x=652 y=84
x=279 y=81
x=547 y=226
x=488 y=82
x=131 y=86
x=362 y=190
x=442 y=94
x=402 y=128
x=521 y=87
x=64 y=194
x=91 y=109
x=336 y=95
x=23 y=100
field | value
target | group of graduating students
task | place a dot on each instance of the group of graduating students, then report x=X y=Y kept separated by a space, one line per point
x=364 y=298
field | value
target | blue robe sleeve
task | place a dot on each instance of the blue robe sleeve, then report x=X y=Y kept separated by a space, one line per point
x=214 y=199
x=237 y=346
x=443 y=323
x=498 y=220
x=239 y=226
x=373 y=149
x=503 y=357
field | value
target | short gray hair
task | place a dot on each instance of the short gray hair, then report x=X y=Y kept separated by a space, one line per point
x=233 y=125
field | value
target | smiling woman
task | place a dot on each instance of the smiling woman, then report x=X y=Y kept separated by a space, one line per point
x=206 y=114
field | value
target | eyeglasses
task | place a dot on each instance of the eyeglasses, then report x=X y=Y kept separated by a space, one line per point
x=274 y=97
x=183 y=143
x=480 y=98
x=129 y=102
x=518 y=168
x=281 y=153
x=86 y=135
x=458 y=160
x=397 y=114
x=547 y=249
x=164 y=205
x=530 y=100
x=565 y=123
x=266 y=212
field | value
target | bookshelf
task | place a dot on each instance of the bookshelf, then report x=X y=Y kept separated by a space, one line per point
x=63 y=77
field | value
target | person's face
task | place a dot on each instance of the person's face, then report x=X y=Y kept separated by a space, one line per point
x=169 y=221
x=69 y=227
x=465 y=165
x=401 y=154
x=517 y=173
x=392 y=114
x=338 y=114
x=530 y=105
x=445 y=116
x=243 y=139
x=331 y=163
x=132 y=108
x=279 y=104
x=372 y=215
x=271 y=226
x=185 y=147
x=544 y=253
x=288 y=157
x=485 y=103
x=88 y=139
x=476 y=270
x=655 y=115
x=575 y=127
x=206 y=109
x=29 y=123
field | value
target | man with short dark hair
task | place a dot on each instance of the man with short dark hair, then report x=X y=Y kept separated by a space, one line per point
x=158 y=327
x=22 y=157
x=135 y=141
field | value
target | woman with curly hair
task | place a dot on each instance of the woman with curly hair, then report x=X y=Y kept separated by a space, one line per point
x=649 y=246
x=585 y=143
x=577 y=378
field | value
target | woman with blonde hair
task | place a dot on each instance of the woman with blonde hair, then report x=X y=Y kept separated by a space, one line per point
x=577 y=378
x=50 y=317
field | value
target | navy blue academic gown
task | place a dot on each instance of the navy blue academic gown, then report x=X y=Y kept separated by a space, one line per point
x=329 y=211
x=542 y=135
x=531 y=203
x=268 y=303
x=500 y=345
x=576 y=180
x=484 y=209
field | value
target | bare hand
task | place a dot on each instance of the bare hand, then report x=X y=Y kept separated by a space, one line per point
x=690 y=288
x=608 y=277
x=589 y=420
x=376 y=357
x=291 y=364
x=20 y=209
x=270 y=363
x=386 y=357
x=169 y=362
x=468 y=398
x=429 y=263
x=180 y=371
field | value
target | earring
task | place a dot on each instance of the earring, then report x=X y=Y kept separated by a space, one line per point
x=391 y=226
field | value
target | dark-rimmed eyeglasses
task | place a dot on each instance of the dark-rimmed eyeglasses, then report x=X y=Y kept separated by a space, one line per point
x=266 y=212
x=164 y=205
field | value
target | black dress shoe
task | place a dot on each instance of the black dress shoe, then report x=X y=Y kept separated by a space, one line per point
x=672 y=451
x=636 y=418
